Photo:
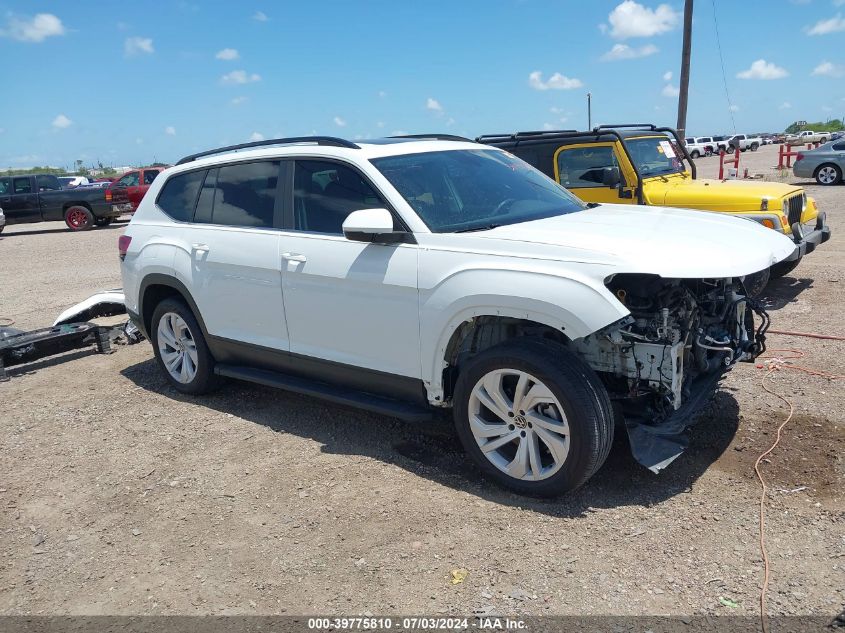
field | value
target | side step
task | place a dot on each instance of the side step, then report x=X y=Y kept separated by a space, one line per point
x=376 y=404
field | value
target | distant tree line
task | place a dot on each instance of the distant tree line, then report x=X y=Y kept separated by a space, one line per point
x=833 y=125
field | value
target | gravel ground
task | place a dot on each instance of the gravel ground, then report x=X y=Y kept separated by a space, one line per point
x=121 y=496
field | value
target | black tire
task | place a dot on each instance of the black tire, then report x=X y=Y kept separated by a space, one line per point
x=584 y=400
x=205 y=379
x=755 y=147
x=695 y=154
x=79 y=218
x=784 y=268
x=2 y=227
x=755 y=284
x=103 y=221
x=837 y=177
x=823 y=141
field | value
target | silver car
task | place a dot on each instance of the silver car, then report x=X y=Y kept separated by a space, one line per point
x=825 y=163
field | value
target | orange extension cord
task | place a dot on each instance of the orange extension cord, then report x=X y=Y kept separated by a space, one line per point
x=774 y=364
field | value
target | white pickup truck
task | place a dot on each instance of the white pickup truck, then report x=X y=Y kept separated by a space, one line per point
x=699 y=146
x=807 y=136
x=744 y=142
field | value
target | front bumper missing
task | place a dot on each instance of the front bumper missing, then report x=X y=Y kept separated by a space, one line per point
x=806 y=242
x=655 y=445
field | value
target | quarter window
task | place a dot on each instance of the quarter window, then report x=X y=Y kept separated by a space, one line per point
x=583 y=167
x=47 y=183
x=179 y=195
x=326 y=193
x=4 y=185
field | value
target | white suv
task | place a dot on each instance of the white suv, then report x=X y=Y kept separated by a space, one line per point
x=411 y=275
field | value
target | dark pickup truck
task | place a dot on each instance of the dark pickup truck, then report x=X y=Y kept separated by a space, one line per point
x=40 y=198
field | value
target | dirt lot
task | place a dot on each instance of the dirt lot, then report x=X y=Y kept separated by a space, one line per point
x=120 y=496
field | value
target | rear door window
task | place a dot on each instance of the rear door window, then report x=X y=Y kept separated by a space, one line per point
x=179 y=195
x=128 y=180
x=243 y=194
x=583 y=167
x=21 y=185
x=47 y=183
x=5 y=185
x=839 y=147
x=149 y=176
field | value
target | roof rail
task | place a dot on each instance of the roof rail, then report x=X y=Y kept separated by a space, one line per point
x=518 y=135
x=434 y=137
x=645 y=126
x=316 y=140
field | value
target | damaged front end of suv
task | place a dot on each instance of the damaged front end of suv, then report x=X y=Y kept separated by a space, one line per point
x=662 y=362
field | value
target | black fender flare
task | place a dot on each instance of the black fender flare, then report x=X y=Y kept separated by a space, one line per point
x=159 y=279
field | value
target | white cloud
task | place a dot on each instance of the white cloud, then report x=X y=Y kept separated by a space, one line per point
x=339 y=122
x=450 y=122
x=170 y=130
x=785 y=106
x=828 y=69
x=35 y=29
x=670 y=91
x=761 y=69
x=139 y=141
x=239 y=100
x=256 y=136
x=827 y=109
x=2 y=129
x=667 y=76
x=433 y=105
x=138 y=45
x=227 y=54
x=631 y=19
x=240 y=77
x=555 y=82
x=623 y=51
x=61 y=122
x=380 y=124
x=733 y=108
x=831 y=25
x=260 y=16
x=548 y=126
x=382 y=94
x=838 y=3
x=556 y=110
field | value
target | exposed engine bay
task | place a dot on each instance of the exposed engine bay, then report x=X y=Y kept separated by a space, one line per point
x=662 y=360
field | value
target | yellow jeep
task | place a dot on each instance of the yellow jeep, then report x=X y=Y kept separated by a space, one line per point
x=644 y=164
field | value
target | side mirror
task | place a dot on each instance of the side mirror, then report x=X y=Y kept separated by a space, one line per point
x=371 y=225
x=610 y=177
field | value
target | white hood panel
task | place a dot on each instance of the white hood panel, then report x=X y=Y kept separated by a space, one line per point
x=672 y=243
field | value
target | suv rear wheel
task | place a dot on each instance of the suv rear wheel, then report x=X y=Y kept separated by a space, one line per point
x=533 y=417
x=180 y=348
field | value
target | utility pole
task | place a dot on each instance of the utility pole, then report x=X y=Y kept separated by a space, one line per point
x=589 y=110
x=685 y=58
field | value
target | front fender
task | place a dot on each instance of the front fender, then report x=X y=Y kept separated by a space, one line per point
x=574 y=306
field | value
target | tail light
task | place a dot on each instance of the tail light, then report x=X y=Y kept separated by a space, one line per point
x=799 y=157
x=123 y=243
x=108 y=194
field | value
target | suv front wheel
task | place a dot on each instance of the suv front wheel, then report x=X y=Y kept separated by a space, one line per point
x=533 y=417
x=180 y=348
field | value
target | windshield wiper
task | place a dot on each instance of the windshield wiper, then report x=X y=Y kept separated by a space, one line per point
x=484 y=227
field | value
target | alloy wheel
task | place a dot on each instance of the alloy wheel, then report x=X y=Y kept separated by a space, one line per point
x=827 y=175
x=177 y=348
x=519 y=425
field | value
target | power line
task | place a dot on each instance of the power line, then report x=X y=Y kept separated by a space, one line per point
x=722 y=61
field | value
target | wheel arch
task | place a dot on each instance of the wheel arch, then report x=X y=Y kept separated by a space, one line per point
x=448 y=319
x=154 y=289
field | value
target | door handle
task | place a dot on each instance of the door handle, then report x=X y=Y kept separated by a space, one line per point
x=199 y=248
x=294 y=257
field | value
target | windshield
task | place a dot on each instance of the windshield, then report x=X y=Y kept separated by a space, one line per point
x=468 y=190
x=655 y=156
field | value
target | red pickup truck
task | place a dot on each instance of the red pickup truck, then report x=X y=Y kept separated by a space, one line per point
x=126 y=192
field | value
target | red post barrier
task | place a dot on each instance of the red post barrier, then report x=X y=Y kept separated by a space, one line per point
x=786 y=154
x=729 y=161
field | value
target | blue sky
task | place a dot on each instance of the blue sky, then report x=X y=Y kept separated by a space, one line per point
x=129 y=83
